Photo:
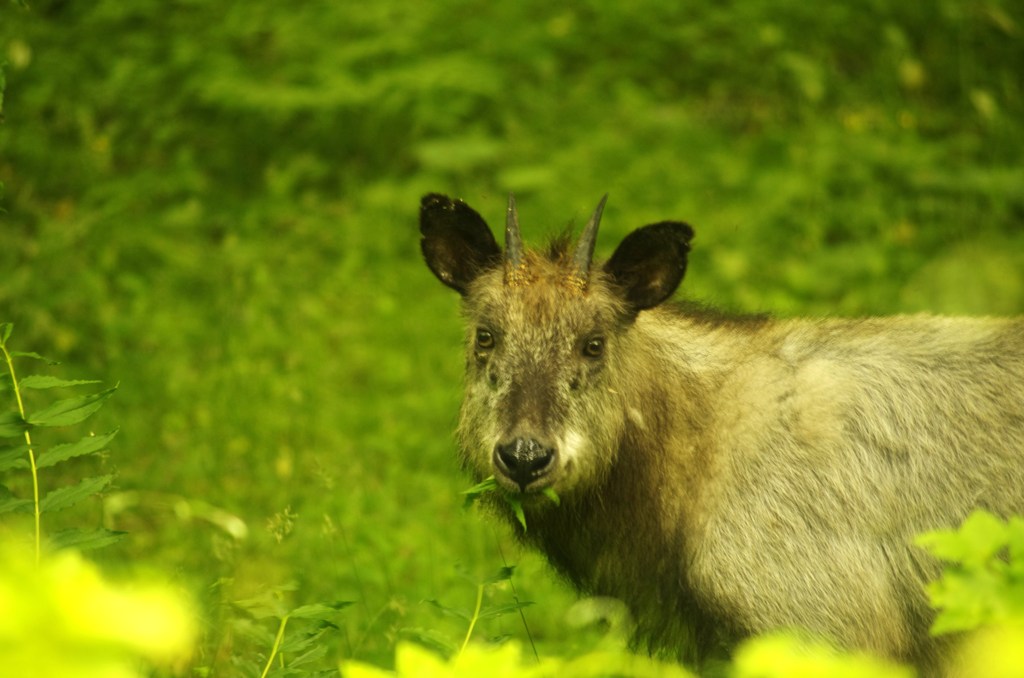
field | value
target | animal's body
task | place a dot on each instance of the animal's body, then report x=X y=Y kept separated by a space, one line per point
x=726 y=476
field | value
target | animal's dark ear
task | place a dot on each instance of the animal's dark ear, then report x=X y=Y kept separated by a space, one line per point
x=456 y=243
x=649 y=263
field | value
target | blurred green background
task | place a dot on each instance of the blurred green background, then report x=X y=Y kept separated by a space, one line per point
x=215 y=205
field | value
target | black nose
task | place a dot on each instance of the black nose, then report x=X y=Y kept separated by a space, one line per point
x=523 y=460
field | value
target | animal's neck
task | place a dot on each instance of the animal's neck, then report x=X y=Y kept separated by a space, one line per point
x=628 y=537
x=634 y=555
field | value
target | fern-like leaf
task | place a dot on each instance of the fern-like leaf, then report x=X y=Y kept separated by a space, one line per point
x=84 y=540
x=64 y=497
x=70 y=410
x=88 y=445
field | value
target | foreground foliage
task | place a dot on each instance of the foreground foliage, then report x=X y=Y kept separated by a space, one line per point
x=58 y=615
x=983 y=582
x=506 y=661
x=981 y=591
x=61 y=617
x=20 y=423
x=787 y=656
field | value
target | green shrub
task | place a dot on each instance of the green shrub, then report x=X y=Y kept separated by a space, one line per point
x=61 y=617
x=983 y=580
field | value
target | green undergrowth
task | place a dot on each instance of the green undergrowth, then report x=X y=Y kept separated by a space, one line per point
x=983 y=582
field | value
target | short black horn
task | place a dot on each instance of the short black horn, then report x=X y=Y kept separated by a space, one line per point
x=513 y=240
x=585 y=247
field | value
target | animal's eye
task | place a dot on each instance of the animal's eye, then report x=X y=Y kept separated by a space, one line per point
x=594 y=347
x=484 y=339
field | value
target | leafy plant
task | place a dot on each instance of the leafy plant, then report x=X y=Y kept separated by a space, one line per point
x=506 y=661
x=993 y=652
x=490 y=485
x=471 y=617
x=788 y=656
x=62 y=618
x=298 y=640
x=983 y=581
x=20 y=423
x=981 y=592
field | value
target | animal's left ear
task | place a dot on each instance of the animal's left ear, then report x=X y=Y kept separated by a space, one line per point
x=649 y=263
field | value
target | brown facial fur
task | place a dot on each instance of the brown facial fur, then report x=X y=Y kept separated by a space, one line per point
x=531 y=381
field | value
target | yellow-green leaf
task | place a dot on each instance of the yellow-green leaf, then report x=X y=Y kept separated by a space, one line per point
x=69 y=496
x=41 y=381
x=87 y=445
x=70 y=410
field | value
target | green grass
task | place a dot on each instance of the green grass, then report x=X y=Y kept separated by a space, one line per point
x=216 y=208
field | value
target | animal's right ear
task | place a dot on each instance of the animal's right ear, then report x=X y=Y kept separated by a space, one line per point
x=456 y=243
x=649 y=263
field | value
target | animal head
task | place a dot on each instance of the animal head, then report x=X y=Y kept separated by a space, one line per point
x=548 y=340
